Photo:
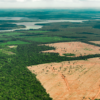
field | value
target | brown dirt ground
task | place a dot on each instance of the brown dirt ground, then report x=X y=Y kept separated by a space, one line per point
x=96 y=42
x=77 y=48
x=12 y=46
x=70 y=80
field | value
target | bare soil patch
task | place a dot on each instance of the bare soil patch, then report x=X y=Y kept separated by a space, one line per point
x=96 y=42
x=70 y=80
x=12 y=46
x=77 y=48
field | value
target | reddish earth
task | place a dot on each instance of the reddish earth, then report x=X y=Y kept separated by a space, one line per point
x=70 y=80
x=96 y=42
x=77 y=48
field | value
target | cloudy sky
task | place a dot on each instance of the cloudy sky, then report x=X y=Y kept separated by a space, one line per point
x=49 y=3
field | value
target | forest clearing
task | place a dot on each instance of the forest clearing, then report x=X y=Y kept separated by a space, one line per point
x=76 y=48
x=70 y=80
x=96 y=42
x=12 y=46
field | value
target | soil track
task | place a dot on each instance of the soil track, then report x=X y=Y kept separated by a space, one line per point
x=70 y=80
x=77 y=48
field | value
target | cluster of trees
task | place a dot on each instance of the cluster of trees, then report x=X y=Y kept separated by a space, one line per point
x=16 y=81
x=10 y=26
x=31 y=55
x=97 y=26
x=50 y=13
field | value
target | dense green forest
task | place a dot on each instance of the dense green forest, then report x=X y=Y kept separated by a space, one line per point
x=16 y=81
x=10 y=26
x=51 y=13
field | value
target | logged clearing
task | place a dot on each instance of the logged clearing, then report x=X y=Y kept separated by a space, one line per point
x=77 y=48
x=12 y=46
x=96 y=42
x=70 y=80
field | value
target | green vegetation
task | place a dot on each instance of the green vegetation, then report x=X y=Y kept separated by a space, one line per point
x=4 y=38
x=88 y=49
x=97 y=99
x=10 y=33
x=7 y=26
x=97 y=26
x=86 y=33
x=80 y=32
x=69 y=54
x=6 y=52
x=52 y=14
x=38 y=31
x=49 y=39
x=14 y=42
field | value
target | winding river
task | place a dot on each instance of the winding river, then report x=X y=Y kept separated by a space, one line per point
x=32 y=25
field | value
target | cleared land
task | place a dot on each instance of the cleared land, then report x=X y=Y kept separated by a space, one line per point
x=12 y=46
x=77 y=48
x=70 y=80
x=96 y=42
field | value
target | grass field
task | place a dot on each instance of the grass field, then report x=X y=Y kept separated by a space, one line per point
x=4 y=38
x=6 y=52
x=48 y=39
x=10 y=33
x=14 y=42
x=38 y=31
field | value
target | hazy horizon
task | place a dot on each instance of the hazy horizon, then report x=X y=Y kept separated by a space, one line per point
x=49 y=4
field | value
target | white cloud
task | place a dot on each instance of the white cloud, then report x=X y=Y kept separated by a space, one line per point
x=36 y=0
x=20 y=0
x=50 y=0
x=49 y=3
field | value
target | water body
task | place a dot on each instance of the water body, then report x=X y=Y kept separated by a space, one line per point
x=32 y=25
x=11 y=18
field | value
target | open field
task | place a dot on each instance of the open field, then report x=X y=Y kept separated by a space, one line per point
x=38 y=31
x=6 y=52
x=96 y=42
x=77 y=48
x=48 y=39
x=14 y=42
x=4 y=38
x=70 y=80
x=12 y=46
x=10 y=33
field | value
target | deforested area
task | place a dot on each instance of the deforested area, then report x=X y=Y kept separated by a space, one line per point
x=72 y=80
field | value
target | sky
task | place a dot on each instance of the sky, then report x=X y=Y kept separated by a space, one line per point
x=49 y=4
